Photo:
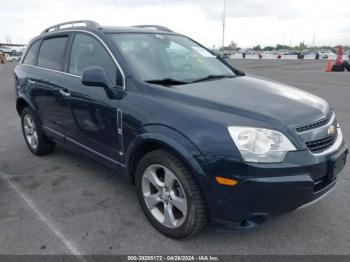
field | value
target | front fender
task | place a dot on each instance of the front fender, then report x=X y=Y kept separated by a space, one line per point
x=176 y=142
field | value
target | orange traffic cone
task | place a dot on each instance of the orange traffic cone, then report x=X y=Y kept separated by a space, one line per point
x=329 y=66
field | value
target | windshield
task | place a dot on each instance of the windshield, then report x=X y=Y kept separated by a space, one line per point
x=157 y=57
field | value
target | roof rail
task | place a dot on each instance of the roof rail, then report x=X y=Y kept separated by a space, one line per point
x=156 y=27
x=78 y=23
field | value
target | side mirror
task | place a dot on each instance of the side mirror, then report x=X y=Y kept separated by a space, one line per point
x=96 y=76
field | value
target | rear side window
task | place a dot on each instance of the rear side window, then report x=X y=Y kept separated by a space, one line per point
x=31 y=54
x=51 y=54
x=87 y=51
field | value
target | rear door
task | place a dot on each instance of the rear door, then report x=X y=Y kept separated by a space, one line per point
x=49 y=83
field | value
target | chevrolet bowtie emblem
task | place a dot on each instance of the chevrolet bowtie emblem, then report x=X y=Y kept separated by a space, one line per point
x=331 y=130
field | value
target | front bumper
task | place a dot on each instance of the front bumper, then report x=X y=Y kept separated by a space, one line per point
x=272 y=190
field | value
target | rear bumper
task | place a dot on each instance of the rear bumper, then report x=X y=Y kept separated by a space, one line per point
x=257 y=199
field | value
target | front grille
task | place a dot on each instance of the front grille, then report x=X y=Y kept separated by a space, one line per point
x=322 y=144
x=313 y=125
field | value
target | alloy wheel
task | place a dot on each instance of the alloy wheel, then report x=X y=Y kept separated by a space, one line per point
x=164 y=196
x=30 y=131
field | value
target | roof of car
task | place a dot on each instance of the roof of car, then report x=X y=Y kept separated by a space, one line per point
x=134 y=29
x=88 y=24
x=91 y=25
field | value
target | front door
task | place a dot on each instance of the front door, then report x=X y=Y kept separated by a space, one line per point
x=94 y=115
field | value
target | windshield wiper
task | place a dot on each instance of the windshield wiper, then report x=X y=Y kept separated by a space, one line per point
x=166 y=82
x=210 y=77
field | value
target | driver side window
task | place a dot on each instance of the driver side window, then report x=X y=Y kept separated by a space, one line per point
x=87 y=51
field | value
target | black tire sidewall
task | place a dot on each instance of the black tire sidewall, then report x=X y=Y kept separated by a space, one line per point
x=153 y=158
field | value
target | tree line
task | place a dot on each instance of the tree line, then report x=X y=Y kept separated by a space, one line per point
x=302 y=46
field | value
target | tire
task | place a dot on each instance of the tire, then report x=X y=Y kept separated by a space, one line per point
x=183 y=188
x=38 y=144
x=338 y=68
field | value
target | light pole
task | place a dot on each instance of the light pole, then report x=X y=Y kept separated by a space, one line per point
x=223 y=24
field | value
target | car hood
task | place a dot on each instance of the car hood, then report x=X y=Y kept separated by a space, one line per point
x=253 y=98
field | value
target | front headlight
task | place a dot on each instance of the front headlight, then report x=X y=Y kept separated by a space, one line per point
x=261 y=145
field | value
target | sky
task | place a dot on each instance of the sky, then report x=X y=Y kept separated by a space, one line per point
x=248 y=22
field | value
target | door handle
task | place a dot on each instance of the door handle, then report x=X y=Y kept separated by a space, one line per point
x=64 y=93
x=31 y=82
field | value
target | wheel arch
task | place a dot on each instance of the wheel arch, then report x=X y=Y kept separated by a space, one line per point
x=22 y=103
x=177 y=144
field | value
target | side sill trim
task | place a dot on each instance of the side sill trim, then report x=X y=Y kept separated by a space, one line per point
x=83 y=146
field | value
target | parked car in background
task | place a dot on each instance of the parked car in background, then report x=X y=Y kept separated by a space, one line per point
x=327 y=54
x=200 y=140
x=13 y=58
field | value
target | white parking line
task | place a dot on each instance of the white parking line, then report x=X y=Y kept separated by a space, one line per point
x=44 y=218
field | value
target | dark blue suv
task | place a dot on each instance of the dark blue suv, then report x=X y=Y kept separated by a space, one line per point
x=201 y=141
